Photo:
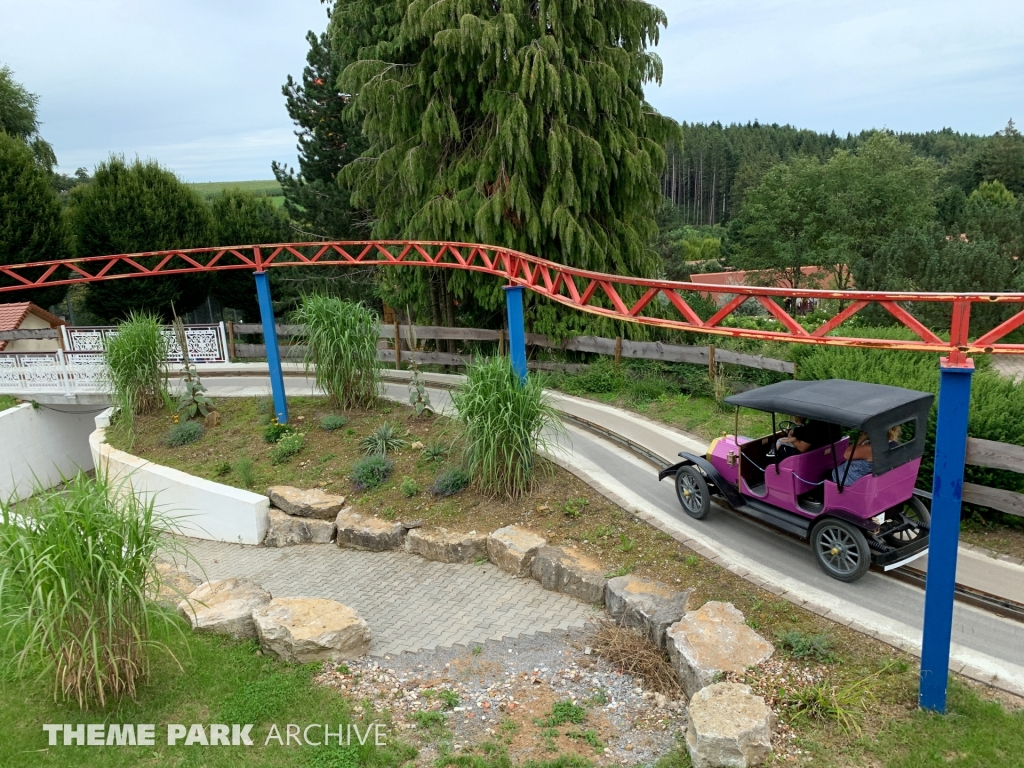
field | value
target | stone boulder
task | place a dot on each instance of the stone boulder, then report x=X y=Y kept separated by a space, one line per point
x=728 y=726
x=305 y=503
x=284 y=530
x=446 y=546
x=366 y=532
x=513 y=549
x=710 y=641
x=307 y=629
x=648 y=605
x=565 y=570
x=174 y=583
x=224 y=606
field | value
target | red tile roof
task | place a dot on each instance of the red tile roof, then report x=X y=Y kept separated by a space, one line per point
x=13 y=315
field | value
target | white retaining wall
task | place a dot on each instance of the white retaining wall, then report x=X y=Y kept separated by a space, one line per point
x=38 y=445
x=199 y=508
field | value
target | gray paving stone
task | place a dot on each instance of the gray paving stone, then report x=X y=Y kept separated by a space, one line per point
x=411 y=604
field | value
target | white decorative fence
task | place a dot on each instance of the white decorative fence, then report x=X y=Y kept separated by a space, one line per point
x=53 y=372
x=206 y=343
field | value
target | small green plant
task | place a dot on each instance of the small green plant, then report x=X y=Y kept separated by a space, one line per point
x=599 y=699
x=588 y=736
x=622 y=570
x=332 y=422
x=626 y=544
x=428 y=720
x=222 y=468
x=419 y=398
x=804 y=645
x=184 y=433
x=193 y=400
x=435 y=451
x=603 y=531
x=447 y=697
x=383 y=439
x=692 y=561
x=370 y=472
x=273 y=432
x=477 y=650
x=388 y=513
x=286 y=447
x=450 y=482
x=824 y=702
x=244 y=471
x=574 y=507
x=409 y=487
x=562 y=712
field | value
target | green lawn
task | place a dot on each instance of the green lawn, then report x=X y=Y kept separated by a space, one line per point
x=6 y=401
x=269 y=187
x=222 y=681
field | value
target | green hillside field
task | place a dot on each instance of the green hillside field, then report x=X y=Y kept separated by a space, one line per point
x=270 y=188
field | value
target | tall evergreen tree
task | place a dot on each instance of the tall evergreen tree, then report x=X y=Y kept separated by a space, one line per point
x=18 y=118
x=521 y=124
x=328 y=141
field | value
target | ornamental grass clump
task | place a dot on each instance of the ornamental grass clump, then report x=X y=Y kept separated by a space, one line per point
x=507 y=422
x=133 y=357
x=76 y=565
x=341 y=342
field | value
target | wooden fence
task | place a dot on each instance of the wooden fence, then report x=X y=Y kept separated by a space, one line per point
x=988 y=453
x=617 y=348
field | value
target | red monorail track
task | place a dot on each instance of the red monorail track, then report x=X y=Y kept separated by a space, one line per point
x=658 y=303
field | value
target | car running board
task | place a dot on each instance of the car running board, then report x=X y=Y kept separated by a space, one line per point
x=778 y=518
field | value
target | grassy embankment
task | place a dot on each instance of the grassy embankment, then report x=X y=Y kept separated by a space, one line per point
x=268 y=188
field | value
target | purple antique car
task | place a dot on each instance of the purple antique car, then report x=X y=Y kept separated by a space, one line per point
x=851 y=523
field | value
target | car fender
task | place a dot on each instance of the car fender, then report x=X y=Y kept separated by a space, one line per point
x=713 y=475
x=868 y=525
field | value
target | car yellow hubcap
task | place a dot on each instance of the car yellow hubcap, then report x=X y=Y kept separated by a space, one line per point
x=834 y=551
x=686 y=493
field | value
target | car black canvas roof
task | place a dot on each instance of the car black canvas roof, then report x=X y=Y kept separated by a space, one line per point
x=849 y=403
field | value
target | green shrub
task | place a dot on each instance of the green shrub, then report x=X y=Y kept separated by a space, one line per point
x=289 y=445
x=506 y=423
x=409 y=487
x=383 y=439
x=133 y=358
x=450 y=482
x=370 y=472
x=184 y=433
x=76 y=568
x=274 y=432
x=332 y=422
x=341 y=343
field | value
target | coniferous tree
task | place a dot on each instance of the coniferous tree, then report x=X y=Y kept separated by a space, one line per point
x=521 y=124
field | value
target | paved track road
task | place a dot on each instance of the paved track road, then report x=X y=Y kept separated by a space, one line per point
x=986 y=647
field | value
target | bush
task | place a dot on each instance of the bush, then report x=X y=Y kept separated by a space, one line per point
x=383 y=439
x=506 y=422
x=370 y=472
x=133 y=358
x=409 y=487
x=286 y=447
x=332 y=422
x=450 y=482
x=341 y=342
x=184 y=433
x=76 y=566
x=273 y=432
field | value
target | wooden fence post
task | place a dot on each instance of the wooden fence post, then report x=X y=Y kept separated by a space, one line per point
x=618 y=350
x=231 y=340
x=501 y=343
x=398 y=345
x=711 y=361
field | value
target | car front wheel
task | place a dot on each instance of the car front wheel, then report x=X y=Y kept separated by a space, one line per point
x=693 y=493
x=841 y=549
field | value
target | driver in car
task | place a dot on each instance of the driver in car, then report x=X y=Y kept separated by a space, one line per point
x=805 y=436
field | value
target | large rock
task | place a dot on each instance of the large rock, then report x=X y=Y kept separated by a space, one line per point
x=306 y=629
x=728 y=726
x=513 y=549
x=173 y=582
x=224 y=606
x=567 y=571
x=284 y=530
x=710 y=641
x=305 y=503
x=367 y=532
x=446 y=546
x=648 y=605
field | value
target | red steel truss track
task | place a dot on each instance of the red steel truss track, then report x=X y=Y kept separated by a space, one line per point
x=660 y=303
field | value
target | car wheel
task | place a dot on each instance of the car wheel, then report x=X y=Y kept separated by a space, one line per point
x=916 y=511
x=841 y=549
x=693 y=493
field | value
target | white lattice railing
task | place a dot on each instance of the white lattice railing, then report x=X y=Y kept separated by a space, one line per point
x=57 y=372
x=206 y=343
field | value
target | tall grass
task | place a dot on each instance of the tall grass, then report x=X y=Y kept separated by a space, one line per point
x=133 y=358
x=341 y=339
x=506 y=424
x=76 y=565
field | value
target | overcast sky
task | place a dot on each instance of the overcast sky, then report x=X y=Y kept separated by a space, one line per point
x=197 y=85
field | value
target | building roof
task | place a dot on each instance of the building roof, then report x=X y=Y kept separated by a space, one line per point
x=13 y=315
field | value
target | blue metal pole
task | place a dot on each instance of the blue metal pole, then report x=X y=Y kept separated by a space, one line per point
x=947 y=489
x=516 y=329
x=273 y=352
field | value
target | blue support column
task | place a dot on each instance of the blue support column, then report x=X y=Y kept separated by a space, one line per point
x=273 y=351
x=947 y=489
x=516 y=329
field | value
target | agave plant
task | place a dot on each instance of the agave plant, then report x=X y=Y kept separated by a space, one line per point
x=383 y=439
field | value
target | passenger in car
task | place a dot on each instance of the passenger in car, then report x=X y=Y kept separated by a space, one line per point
x=858 y=456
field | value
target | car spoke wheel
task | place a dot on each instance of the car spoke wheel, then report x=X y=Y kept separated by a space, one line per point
x=693 y=493
x=915 y=511
x=841 y=549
